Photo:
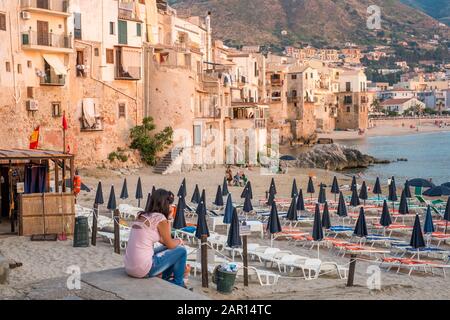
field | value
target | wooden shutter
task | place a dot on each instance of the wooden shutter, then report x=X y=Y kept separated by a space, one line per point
x=2 y=22
x=123 y=32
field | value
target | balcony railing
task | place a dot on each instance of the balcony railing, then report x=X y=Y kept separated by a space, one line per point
x=128 y=64
x=50 y=5
x=127 y=11
x=211 y=113
x=51 y=79
x=33 y=38
x=260 y=123
x=128 y=73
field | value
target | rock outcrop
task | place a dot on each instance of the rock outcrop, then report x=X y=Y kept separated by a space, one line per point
x=333 y=157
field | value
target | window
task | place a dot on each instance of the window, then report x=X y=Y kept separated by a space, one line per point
x=77 y=25
x=110 y=56
x=294 y=77
x=8 y=66
x=96 y=52
x=123 y=32
x=2 y=22
x=348 y=109
x=197 y=135
x=348 y=86
x=29 y=64
x=122 y=110
x=19 y=68
x=348 y=99
x=56 y=109
x=30 y=92
x=138 y=29
x=112 y=28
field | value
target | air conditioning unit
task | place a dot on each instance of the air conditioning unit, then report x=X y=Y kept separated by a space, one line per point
x=26 y=15
x=32 y=105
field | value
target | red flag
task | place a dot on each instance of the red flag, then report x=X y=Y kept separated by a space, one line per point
x=34 y=138
x=64 y=122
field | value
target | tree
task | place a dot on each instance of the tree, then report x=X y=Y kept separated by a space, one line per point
x=376 y=106
x=150 y=145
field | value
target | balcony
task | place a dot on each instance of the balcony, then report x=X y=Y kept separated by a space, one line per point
x=260 y=123
x=49 y=42
x=211 y=113
x=127 y=11
x=54 y=7
x=128 y=64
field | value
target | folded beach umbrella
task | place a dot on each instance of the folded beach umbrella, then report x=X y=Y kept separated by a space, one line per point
x=386 y=219
x=419 y=182
x=247 y=190
x=342 y=207
x=234 y=238
x=273 y=187
x=228 y=211
x=219 y=198
x=363 y=194
x=310 y=188
x=392 y=191
x=294 y=192
x=447 y=184
x=361 y=226
x=147 y=204
x=225 y=191
x=335 y=188
x=403 y=207
x=447 y=214
x=354 y=202
x=317 y=232
x=300 y=201
x=139 y=195
x=182 y=192
x=377 y=188
x=153 y=189
x=180 y=220
x=326 y=221
x=196 y=195
x=248 y=207
x=428 y=227
x=417 y=240
x=292 y=212
x=99 y=194
x=203 y=197
x=407 y=190
x=354 y=185
x=202 y=225
x=437 y=192
x=112 y=205
x=274 y=225
x=271 y=199
x=322 y=195
x=124 y=192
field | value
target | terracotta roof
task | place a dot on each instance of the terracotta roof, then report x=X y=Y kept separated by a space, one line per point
x=391 y=102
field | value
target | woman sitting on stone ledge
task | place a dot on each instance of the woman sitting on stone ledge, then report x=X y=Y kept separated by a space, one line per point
x=141 y=260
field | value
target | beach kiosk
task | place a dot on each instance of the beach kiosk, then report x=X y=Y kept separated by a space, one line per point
x=36 y=192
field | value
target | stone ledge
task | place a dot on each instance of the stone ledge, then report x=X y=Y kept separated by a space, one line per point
x=4 y=270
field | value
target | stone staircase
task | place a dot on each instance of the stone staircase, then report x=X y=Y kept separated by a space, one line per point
x=167 y=161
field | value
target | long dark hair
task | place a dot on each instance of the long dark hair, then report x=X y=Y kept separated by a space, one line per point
x=160 y=202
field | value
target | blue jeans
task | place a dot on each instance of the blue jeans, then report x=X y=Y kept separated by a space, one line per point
x=169 y=262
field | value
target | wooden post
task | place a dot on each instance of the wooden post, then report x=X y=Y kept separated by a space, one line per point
x=245 y=257
x=56 y=176
x=11 y=200
x=64 y=188
x=94 y=226
x=351 y=274
x=204 y=262
x=116 y=218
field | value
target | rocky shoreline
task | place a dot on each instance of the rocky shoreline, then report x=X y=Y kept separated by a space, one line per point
x=334 y=157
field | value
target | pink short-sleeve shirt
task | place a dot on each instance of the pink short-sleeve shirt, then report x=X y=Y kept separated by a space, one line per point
x=139 y=254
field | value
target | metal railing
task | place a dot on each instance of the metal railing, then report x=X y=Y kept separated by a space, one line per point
x=33 y=38
x=51 y=5
x=128 y=73
x=260 y=123
x=52 y=79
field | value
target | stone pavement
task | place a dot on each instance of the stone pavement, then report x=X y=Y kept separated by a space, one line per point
x=109 y=285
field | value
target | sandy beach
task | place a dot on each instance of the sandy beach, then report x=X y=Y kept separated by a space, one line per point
x=383 y=131
x=50 y=260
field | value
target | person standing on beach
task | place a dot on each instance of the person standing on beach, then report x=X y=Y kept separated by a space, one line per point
x=141 y=259
x=229 y=175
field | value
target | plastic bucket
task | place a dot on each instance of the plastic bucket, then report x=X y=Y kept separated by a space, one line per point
x=225 y=281
x=81 y=233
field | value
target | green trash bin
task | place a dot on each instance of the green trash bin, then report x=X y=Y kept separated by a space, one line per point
x=224 y=280
x=81 y=233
